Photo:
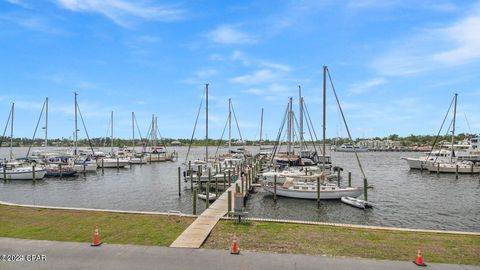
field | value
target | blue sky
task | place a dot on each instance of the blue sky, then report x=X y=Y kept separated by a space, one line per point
x=395 y=64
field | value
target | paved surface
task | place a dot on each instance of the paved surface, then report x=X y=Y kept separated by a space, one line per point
x=67 y=255
x=198 y=231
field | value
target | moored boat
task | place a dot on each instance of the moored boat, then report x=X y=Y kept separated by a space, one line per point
x=362 y=204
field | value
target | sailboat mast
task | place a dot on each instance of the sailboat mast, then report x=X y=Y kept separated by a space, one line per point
x=289 y=149
x=133 y=131
x=11 y=132
x=261 y=130
x=46 y=122
x=324 y=113
x=453 y=128
x=300 y=100
x=111 y=134
x=76 y=127
x=156 y=130
x=229 y=125
x=206 y=122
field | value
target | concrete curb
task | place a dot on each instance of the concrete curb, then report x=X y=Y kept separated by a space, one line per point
x=251 y=219
x=173 y=213
x=357 y=226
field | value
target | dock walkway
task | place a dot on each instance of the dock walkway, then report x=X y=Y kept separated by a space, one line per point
x=198 y=231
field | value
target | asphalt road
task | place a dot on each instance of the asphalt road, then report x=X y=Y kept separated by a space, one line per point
x=67 y=255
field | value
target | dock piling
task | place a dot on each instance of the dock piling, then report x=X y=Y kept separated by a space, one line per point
x=338 y=178
x=224 y=176
x=275 y=188
x=208 y=188
x=456 y=171
x=229 y=209
x=318 y=192
x=102 y=167
x=179 y=184
x=4 y=173
x=365 y=188
x=349 y=179
x=194 y=202
x=33 y=173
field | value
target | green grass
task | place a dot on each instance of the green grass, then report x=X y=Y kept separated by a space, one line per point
x=137 y=229
x=78 y=226
x=350 y=242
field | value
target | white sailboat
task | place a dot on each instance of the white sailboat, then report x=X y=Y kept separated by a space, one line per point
x=112 y=162
x=14 y=170
x=302 y=189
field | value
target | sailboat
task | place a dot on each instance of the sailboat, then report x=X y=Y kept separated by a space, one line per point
x=112 y=161
x=454 y=165
x=15 y=170
x=310 y=186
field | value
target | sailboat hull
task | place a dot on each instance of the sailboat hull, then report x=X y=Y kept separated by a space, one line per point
x=312 y=195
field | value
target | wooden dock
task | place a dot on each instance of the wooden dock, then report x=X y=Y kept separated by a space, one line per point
x=198 y=231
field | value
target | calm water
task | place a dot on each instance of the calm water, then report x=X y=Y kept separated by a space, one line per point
x=402 y=198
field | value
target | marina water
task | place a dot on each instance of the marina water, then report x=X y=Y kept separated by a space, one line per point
x=402 y=198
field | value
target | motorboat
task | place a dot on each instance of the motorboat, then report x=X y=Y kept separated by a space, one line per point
x=348 y=147
x=462 y=167
x=211 y=196
x=362 y=204
x=59 y=170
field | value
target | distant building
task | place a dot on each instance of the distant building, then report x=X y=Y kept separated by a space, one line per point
x=176 y=143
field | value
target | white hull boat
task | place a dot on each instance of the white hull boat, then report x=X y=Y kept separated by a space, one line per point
x=138 y=160
x=87 y=167
x=304 y=190
x=211 y=196
x=113 y=162
x=463 y=168
x=23 y=173
x=356 y=202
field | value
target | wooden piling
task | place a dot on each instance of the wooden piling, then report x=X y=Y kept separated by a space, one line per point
x=216 y=186
x=456 y=171
x=349 y=179
x=318 y=192
x=224 y=180
x=85 y=167
x=229 y=178
x=438 y=168
x=365 y=188
x=118 y=163
x=208 y=188
x=229 y=200
x=194 y=202
x=103 y=168
x=242 y=180
x=33 y=173
x=4 y=173
x=179 y=184
x=338 y=178
x=275 y=188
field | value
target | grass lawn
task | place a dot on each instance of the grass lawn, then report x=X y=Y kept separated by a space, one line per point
x=78 y=226
x=350 y=242
x=137 y=229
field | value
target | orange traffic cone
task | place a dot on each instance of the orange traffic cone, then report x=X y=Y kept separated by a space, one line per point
x=234 y=249
x=419 y=260
x=96 y=238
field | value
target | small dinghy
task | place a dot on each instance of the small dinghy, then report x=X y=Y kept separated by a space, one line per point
x=356 y=202
x=211 y=196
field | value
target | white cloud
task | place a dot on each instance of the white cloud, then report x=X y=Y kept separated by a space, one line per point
x=227 y=34
x=122 y=12
x=362 y=87
x=259 y=76
x=432 y=49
